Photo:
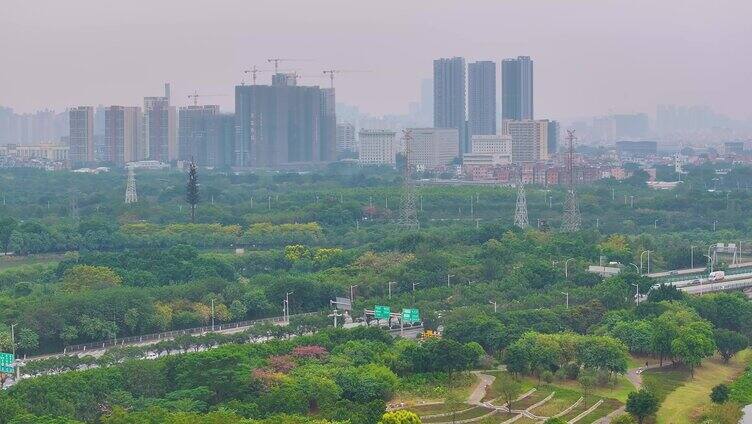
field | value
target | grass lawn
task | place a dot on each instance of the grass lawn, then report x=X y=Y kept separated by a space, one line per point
x=466 y=415
x=14 y=261
x=662 y=381
x=636 y=361
x=608 y=406
x=535 y=397
x=494 y=391
x=693 y=395
x=579 y=409
x=562 y=400
x=432 y=409
x=425 y=388
x=618 y=391
x=497 y=418
x=525 y=420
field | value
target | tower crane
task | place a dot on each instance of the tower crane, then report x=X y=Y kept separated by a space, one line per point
x=253 y=71
x=276 y=60
x=195 y=96
x=331 y=73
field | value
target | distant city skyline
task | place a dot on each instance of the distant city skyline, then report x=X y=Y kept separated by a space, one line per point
x=591 y=58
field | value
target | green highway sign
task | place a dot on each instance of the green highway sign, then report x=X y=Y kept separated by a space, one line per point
x=382 y=312
x=6 y=362
x=410 y=315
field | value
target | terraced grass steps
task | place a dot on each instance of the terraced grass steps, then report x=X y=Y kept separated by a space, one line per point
x=470 y=415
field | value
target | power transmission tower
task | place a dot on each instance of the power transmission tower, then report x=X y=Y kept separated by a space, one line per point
x=73 y=205
x=130 y=188
x=520 y=212
x=572 y=218
x=408 y=215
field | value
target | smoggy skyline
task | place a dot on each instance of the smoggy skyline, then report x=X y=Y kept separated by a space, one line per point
x=591 y=57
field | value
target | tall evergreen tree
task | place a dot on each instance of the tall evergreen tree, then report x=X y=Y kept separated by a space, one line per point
x=191 y=190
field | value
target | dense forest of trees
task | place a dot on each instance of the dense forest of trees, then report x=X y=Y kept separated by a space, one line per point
x=117 y=270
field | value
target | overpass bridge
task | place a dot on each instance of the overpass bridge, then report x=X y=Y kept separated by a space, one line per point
x=695 y=280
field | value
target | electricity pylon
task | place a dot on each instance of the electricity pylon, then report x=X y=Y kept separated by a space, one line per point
x=520 y=211
x=73 y=205
x=572 y=218
x=408 y=214
x=130 y=188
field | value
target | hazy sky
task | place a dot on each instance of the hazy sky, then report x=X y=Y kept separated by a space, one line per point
x=591 y=56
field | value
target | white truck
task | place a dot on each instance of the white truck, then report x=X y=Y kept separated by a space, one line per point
x=716 y=276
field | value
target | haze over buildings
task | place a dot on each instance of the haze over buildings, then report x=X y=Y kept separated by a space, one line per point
x=578 y=60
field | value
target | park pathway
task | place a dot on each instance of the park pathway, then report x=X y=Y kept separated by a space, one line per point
x=634 y=376
x=484 y=380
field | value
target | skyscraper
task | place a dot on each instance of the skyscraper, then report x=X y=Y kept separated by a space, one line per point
x=160 y=135
x=328 y=126
x=346 y=138
x=517 y=88
x=197 y=133
x=122 y=134
x=81 y=135
x=449 y=97
x=224 y=152
x=426 y=101
x=481 y=98
x=284 y=125
x=529 y=139
x=553 y=138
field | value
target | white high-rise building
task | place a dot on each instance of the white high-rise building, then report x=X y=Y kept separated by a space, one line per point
x=529 y=139
x=433 y=147
x=377 y=147
x=346 y=138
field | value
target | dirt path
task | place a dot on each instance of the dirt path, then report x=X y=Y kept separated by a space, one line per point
x=634 y=376
x=484 y=380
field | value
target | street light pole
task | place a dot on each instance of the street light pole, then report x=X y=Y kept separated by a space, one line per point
x=635 y=267
x=448 y=277
x=642 y=253
x=567 y=295
x=415 y=284
x=566 y=268
x=389 y=285
x=287 y=306
x=710 y=258
x=692 y=256
x=655 y=224
x=638 y=293
x=212 y=310
x=13 y=338
x=493 y=302
x=13 y=345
